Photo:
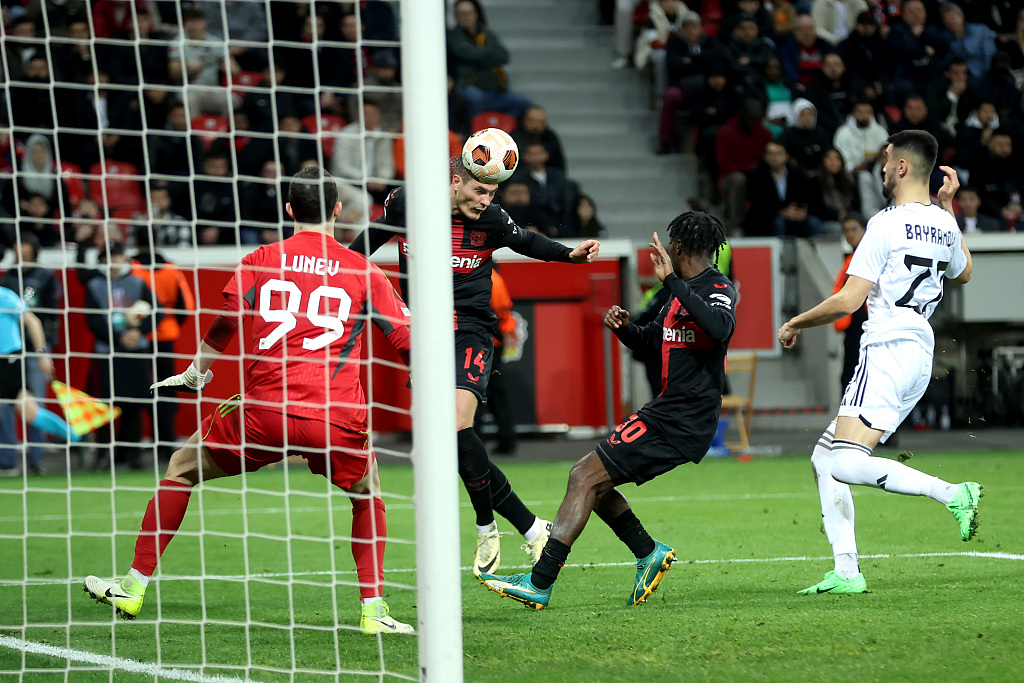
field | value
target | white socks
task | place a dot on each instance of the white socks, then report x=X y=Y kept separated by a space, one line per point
x=837 y=513
x=534 y=531
x=370 y=601
x=847 y=565
x=139 y=576
x=852 y=463
x=489 y=529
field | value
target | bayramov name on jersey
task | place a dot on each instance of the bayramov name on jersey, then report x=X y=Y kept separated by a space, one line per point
x=299 y=263
x=929 y=233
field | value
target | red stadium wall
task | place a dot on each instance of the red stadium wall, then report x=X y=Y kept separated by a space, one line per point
x=568 y=304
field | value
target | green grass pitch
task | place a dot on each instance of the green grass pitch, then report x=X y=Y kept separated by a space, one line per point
x=747 y=534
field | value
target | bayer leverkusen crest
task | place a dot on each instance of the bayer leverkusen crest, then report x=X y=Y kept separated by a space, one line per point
x=477 y=238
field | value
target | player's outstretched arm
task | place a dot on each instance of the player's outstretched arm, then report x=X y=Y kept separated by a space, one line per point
x=198 y=374
x=844 y=302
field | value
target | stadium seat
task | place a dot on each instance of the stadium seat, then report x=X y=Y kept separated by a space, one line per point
x=325 y=126
x=122 y=193
x=494 y=119
x=243 y=82
x=74 y=181
x=741 y=364
x=209 y=128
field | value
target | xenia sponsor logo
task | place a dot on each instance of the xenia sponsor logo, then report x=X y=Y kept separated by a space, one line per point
x=467 y=262
x=683 y=336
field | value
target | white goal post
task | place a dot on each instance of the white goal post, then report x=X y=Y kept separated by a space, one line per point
x=433 y=390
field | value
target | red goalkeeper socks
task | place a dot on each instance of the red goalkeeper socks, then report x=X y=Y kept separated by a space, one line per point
x=369 y=536
x=171 y=500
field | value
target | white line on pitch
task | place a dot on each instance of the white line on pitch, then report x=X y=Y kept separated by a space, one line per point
x=109 y=662
x=341 y=507
x=585 y=565
x=408 y=506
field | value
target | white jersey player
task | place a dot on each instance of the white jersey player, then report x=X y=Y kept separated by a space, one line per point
x=909 y=249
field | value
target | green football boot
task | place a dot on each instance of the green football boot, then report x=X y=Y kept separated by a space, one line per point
x=518 y=587
x=649 y=571
x=833 y=583
x=125 y=595
x=964 y=507
x=376 y=618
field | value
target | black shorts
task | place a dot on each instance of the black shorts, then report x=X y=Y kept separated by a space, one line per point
x=638 y=453
x=11 y=379
x=474 y=355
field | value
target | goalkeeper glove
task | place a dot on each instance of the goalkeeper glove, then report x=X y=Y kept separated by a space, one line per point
x=190 y=380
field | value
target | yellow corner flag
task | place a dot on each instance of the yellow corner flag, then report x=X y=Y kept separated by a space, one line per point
x=83 y=412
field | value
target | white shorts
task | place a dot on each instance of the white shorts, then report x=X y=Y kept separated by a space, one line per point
x=891 y=377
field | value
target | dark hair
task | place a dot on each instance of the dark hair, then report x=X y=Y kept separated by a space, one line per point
x=699 y=233
x=969 y=188
x=313 y=193
x=854 y=216
x=921 y=144
x=192 y=13
x=481 y=17
x=459 y=168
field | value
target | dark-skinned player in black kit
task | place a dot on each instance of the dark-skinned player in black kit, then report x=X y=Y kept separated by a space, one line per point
x=692 y=333
x=479 y=227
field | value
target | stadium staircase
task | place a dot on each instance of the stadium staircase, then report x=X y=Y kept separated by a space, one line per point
x=561 y=59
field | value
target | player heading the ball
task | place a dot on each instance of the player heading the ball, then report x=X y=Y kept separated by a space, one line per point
x=479 y=227
x=302 y=395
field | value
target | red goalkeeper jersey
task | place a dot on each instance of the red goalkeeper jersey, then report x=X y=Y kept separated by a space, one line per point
x=309 y=299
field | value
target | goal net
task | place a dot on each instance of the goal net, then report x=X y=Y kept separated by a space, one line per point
x=146 y=148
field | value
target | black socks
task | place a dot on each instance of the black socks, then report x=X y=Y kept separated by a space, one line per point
x=507 y=504
x=551 y=561
x=631 y=532
x=475 y=470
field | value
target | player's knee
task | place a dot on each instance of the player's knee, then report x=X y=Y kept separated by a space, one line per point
x=586 y=473
x=184 y=466
x=820 y=463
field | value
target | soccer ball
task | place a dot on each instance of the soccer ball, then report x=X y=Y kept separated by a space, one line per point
x=491 y=155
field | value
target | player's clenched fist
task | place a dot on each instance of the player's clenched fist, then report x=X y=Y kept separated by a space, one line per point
x=585 y=252
x=615 y=318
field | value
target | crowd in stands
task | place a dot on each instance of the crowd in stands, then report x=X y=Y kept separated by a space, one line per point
x=136 y=125
x=788 y=104
x=192 y=114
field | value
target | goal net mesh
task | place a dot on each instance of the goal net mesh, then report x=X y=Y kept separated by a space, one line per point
x=179 y=125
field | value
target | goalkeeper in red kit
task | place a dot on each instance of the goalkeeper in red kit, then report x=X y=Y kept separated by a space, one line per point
x=308 y=300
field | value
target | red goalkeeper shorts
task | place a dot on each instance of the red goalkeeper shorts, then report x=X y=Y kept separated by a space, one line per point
x=247 y=439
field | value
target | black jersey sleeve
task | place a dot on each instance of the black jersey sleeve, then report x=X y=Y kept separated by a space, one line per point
x=373 y=238
x=646 y=340
x=714 y=311
x=532 y=244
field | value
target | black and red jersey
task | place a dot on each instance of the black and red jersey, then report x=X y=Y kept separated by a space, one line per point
x=692 y=333
x=473 y=243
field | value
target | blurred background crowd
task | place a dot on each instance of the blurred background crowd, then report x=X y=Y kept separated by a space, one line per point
x=788 y=104
x=134 y=126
